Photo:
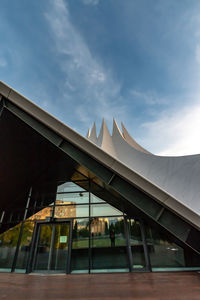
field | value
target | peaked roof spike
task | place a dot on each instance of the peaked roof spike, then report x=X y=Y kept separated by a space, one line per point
x=104 y=133
x=116 y=129
x=122 y=125
x=124 y=131
x=104 y=125
x=131 y=141
x=93 y=134
x=88 y=133
x=94 y=129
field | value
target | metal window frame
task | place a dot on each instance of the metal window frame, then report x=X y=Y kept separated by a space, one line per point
x=35 y=239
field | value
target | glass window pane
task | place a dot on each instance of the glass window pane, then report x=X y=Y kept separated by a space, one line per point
x=136 y=242
x=80 y=245
x=60 y=247
x=163 y=252
x=42 y=214
x=95 y=199
x=69 y=187
x=43 y=247
x=104 y=210
x=72 y=198
x=8 y=243
x=71 y=211
x=108 y=245
x=24 y=248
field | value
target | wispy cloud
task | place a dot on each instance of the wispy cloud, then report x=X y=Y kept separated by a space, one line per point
x=90 y=92
x=149 y=97
x=198 y=53
x=3 y=62
x=91 y=2
x=87 y=82
x=175 y=132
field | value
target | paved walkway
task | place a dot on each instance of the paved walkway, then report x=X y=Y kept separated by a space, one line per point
x=145 y=286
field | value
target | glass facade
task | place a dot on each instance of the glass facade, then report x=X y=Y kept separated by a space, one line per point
x=51 y=252
x=164 y=254
x=80 y=246
x=8 y=244
x=24 y=247
x=74 y=230
x=136 y=244
x=108 y=245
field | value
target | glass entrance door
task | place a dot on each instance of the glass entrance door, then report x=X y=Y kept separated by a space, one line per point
x=52 y=247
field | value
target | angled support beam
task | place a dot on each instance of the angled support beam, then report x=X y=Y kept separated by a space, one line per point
x=2 y=217
x=160 y=213
x=2 y=105
x=84 y=159
x=111 y=179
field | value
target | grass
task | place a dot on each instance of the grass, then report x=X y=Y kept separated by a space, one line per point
x=97 y=242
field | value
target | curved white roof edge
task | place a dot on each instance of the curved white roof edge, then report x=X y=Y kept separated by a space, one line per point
x=178 y=176
x=92 y=136
x=172 y=181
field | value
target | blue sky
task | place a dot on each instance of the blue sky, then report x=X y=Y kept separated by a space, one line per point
x=135 y=60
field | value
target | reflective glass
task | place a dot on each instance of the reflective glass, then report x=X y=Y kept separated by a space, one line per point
x=65 y=211
x=104 y=210
x=25 y=244
x=72 y=198
x=95 y=199
x=80 y=244
x=43 y=247
x=163 y=252
x=52 y=247
x=8 y=243
x=71 y=211
x=136 y=243
x=108 y=243
x=42 y=214
x=69 y=187
x=60 y=247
